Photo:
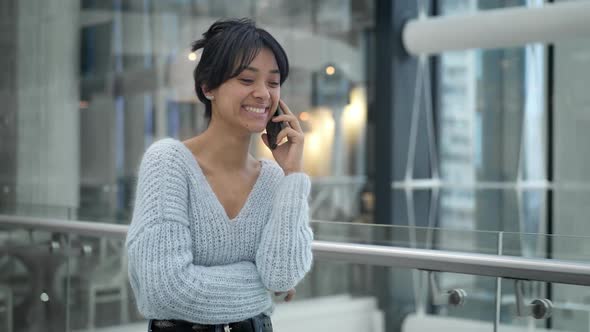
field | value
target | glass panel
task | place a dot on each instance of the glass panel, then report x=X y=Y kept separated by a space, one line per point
x=100 y=294
x=510 y=319
x=33 y=279
x=355 y=297
x=485 y=95
x=328 y=91
x=571 y=197
x=479 y=208
x=571 y=307
x=570 y=302
x=570 y=122
x=109 y=78
x=407 y=288
x=409 y=237
x=36 y=210
x=456 y=7
x=476 y=313
x=492 y=121
x=491 y=104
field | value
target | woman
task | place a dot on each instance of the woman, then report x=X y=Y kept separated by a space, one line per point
x=215 y=231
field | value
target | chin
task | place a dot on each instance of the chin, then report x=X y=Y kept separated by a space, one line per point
x=257 y=129
x=254 y=128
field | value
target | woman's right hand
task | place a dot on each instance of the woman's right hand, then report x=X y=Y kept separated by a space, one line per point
x=288 y=155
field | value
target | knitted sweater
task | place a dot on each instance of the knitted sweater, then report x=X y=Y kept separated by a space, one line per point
x=189 y=261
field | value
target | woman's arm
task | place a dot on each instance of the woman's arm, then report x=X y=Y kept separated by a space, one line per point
x=166 y=283
x=284 y=255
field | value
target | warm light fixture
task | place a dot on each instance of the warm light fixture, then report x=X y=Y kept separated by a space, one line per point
x=355 y=113
x=304 y=116
x=330 y=70
x=83 y=104
x=192 y=56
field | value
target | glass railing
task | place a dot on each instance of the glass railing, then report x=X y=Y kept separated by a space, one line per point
x=571 y=303
x=64 y=281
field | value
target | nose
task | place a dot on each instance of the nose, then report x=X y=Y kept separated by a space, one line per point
x=261 y=92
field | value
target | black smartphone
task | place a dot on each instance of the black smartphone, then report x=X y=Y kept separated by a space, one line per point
x=274 y=128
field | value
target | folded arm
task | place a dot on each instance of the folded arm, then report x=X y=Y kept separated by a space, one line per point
x=165 y=281
x=284 y=255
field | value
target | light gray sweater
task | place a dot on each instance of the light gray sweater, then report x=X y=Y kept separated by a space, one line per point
x=189 y=261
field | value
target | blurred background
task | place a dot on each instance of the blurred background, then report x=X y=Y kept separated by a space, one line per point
x=442 y=151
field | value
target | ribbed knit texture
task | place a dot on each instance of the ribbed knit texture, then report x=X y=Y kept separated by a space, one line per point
x=189 y=261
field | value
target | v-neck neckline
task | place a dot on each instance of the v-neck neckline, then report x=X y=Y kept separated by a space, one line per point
x=209 y=189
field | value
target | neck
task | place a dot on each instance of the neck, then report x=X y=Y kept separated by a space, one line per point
x=221 y=147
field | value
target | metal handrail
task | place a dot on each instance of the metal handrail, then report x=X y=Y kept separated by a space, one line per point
x=548 y=270
x=89 y=228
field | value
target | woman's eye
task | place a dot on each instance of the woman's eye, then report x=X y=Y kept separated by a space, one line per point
x=273 y=84
x=246 y=81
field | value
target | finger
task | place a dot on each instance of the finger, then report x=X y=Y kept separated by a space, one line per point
x=293 y=122
x=290 y=295
x=284 y=118
x=290 y=133
x=284 y=107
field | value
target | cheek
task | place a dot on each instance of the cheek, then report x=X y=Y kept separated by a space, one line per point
x=275 y=96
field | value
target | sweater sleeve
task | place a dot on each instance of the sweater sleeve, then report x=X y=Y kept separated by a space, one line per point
x=284 y=255
x=166 y=282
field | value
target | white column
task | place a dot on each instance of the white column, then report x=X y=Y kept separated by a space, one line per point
x=48 y=103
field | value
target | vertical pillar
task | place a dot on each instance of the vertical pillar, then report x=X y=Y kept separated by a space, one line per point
x=394 y=78
x=48 y=103
x=8 y=100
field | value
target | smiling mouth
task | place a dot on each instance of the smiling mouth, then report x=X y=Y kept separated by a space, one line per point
x=257 y=110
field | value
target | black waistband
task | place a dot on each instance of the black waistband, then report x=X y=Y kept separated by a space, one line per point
x=247 y=325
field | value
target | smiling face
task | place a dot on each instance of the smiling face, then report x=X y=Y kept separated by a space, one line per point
x=245 y=101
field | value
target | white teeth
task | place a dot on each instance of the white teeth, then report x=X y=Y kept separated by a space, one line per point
x=254 y=109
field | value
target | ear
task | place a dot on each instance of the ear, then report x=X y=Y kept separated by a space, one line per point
x=208 y=93
x=205 y=90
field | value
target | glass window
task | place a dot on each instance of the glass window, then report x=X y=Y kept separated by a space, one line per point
x=91 y=84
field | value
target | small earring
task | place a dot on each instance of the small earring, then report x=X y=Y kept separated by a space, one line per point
x=210 y=97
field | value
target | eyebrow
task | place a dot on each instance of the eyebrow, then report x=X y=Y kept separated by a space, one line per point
x=273 y=71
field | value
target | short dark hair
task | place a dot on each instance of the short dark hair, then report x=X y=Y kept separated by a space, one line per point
x=229 y=46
